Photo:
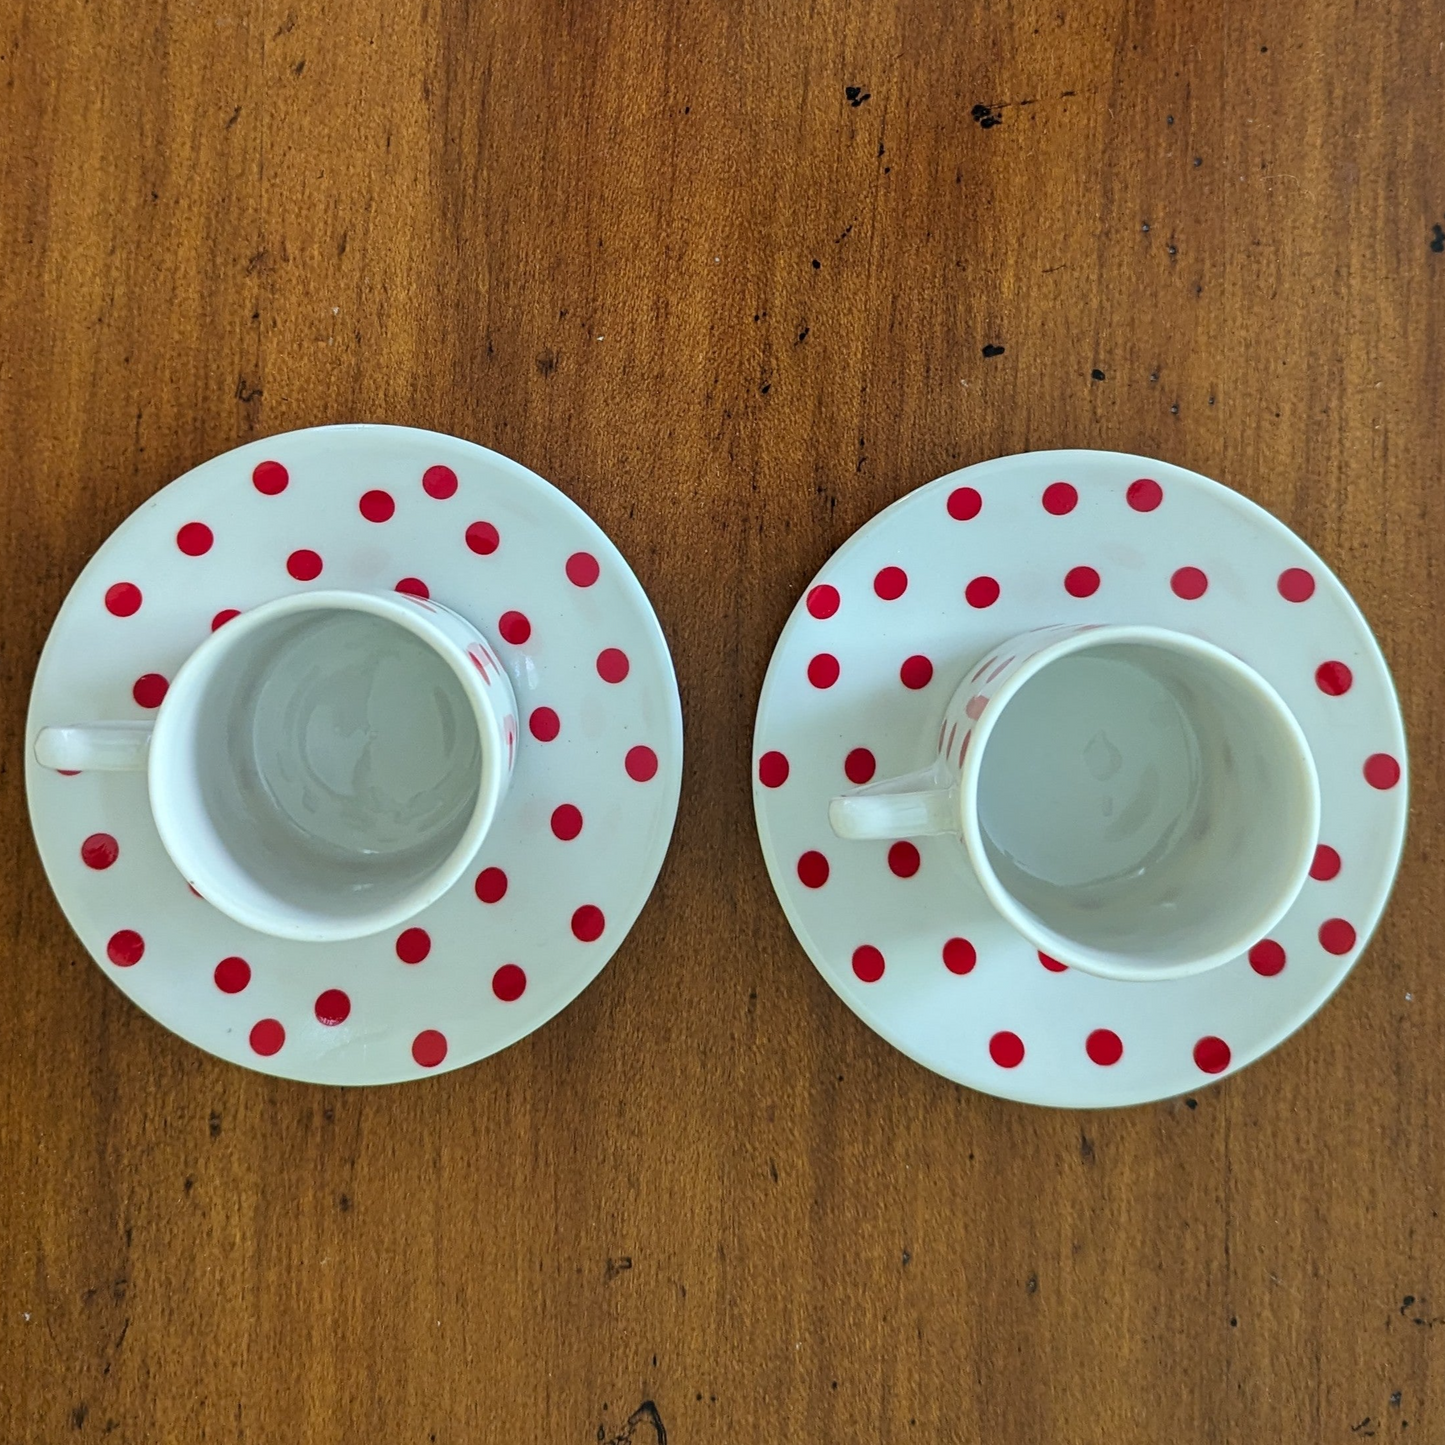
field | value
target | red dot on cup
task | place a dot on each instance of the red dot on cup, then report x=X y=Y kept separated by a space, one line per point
x=822 y=601
x=491 y=885
x=612 y=664
x=823 y=670
x=333 y=1007
x=122 y=599
x=641 y=763
x=859 y=766
x=377 y=506
x=195 y=539
x=891 y=583
x=588 y=923
x=1296 y=585
x=1081 y=582
x=916 y=672
x=304 y=564
x=812 y=869
x=1211 y=1055
x=959 y=955
x=267 y=1036
x=509 y=983
x=1104 y=1047
x=99 y=851
x=413 y=587
x=1266 y=958
x=413 y=945
x=1006 y=1049
x=964 y=504
x=150 y=690
x=1189 y=583
x=582 y=569
x=483 y=538
x=903 y=860
x=868 y=963
x=772 y=770
x=270 y=478
x=567 y=821
x=439 y=482
x=1060 y=498
x=224 y=616
x=1333 y=678
x=232 y=975
x=1381 y=771
x=125 y=948
x=429 y=1048
x=1144 y=495
x=544 y=724
x=981 y=592
x=1337 y=936
x=1052 y=964
x=1326 y=864
x=514 y=627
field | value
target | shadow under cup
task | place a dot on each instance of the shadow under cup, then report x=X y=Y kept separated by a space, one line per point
x=1150 y=807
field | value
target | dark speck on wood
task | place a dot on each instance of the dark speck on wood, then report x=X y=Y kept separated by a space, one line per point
x=1097 y=374
x=856 y=95
x=986 y=115
x=817 y=264
x=1437 y=240
x=991 y=350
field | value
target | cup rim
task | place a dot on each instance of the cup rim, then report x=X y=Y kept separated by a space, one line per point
x=1096 y=961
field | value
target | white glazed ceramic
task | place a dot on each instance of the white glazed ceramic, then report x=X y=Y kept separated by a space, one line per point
x=901 y=615
x=1135 y=801
x=576 y=842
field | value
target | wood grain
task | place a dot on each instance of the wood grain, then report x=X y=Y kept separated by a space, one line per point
x=655 y=251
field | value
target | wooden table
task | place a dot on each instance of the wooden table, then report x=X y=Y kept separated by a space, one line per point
x=731 y=276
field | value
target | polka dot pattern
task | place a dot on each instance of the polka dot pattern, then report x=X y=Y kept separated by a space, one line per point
x=868 y=963
x=1337 y=936
x=891 y=583
x=612 y=664
x=377 y=505
x=1052 y=964
x=122 y=599
x=232 y=975
x=267 y=1037
x=1334 y=679
x=413 y=945
x=195 y=539
x=813 y=869
x=640 y=763
x=1006 y=1049
x=544 y=724
x=1060 y=498
x=1211 y=1055
x=959 y=956
x=483 y=538
x=903 y=860
x=583 y=569
x=1189 y=583
x=515 y=628
x=126 y=948
x=1295 y=584
x=304 y=564
x=588 y=923
x=916 y=672
x=491 y=886
x=413 y=587
x=859 y=766
x=566 y=822
x=823 y=670
x=270 y=478
x=823 y=602
x=429 y=1048
x=1382 y=771
x=150 y=691
x=1081 y=582
x=509 y=983
x=332 y=1007
x=99 y=851
x=439 y=481
x=1104 y=1047
x=982 y=592
x=964 y=504
x=1267 y=958
x=1144 y=495
x=224 y=616
x=773 y=769
x=1326 y=864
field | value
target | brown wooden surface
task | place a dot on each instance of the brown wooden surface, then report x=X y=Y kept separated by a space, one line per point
x=653 y=251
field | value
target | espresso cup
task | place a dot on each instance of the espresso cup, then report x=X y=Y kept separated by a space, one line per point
x=1136 y=802
x=323 y=766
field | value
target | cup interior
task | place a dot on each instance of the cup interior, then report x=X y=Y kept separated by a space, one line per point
x=1149 y=807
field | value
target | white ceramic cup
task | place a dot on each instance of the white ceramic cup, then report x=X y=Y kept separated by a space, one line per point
x=323 y=766
x=1136 y=802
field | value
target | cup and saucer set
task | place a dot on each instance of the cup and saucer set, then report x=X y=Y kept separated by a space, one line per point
x=354 y=754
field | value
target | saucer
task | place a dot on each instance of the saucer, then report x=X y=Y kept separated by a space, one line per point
x=576 y=846
x=857 y=685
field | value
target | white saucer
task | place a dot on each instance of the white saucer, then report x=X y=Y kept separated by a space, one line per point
x=903 y=932
x=546 y=905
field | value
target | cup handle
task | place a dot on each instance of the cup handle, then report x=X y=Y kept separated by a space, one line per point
x=116 y=747
x=898 y=808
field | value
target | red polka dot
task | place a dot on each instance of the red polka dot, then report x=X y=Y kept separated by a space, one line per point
x=567 y=821
x=122 y=599
x=1381 y=771
x=859 y=766
x=267 y=1037
x=916 y=672
x=429 y=1048
x=582 y=569
x=99 y=851
x=812 y=869
x=1211 y=1055
x=981 y=592
x=588 y=923
x=413 y=945
x=377 y=506
x=483 y=538
x=891 y=583
x=439 y=482
x=1006 y=1049
x=772 y=770
x=1052 y=964
x=509 y=983
x=232 y=975
x=822 y=600
x=195 y=539
x=612 y=664
x=1104 y=1047
x=1333 y=678
x=304 y=564
x=544 y=724
x=903 y=860
x=332 y=1007
x=1189 y=583
x=1081 y=582
x=868 y=963
x=1337 y=936
x=1144 y=495
x=491 y=885
x=1326 y=864
x=68 y=772
x=641 y=763
x=959 y=955
x=1267 y=958
x=964 y=504
x=1296 y=585
x=270 y=478
x=1060 y=498
x=514 y=628
x=413 y=587
x=823 y=670
x=150 y=690
x=224 y=616
x=126 y=948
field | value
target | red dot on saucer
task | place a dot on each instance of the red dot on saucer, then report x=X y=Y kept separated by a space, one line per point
x=439 y=482
x=773 y=770
x=588 y=923
x=377 y=506
x=1333 y=678
x=1337 y=936
x=981 y=592
x=1104 y=1047
x=1381 y=771
x=509 y=983
x=1144 y=495
x=1081 y=582
x=964 y=504
x=812 y=869
x=868 y=963
x=491 y=885
x=582 y=569
x=903 y=860
x=1266 y=958
x=232 y=975
x=483 y=538
x=99 y=851
x=891 y=583
x=1296 y=585
x=823 y=670
x=916 y=672
x=270 y=478
x=1006 y=1049
x=429 y=1048
x=514 y=627
x=413 y=945
x=822 y=600
x=859 y=766
x=612 y=664
x=544 y=724
x=641 y=763
x=1211 y=1055
x=304 y=565
x=332 y=1007
x=1189 y=583
x=566 y=821
x=413 y=587
x=126 y=948
x=1060 y=498
x=122 y=599
x=224 y=616
x=1326 y=864
x=1052 y=964
x=150 y=690
x=195 y=539
x=267 y=1036
x=959 y=955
